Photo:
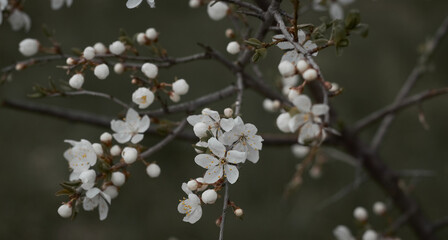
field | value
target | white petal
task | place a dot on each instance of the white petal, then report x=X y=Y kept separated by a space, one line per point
x=319 y=109
x=298 y=120
x=250 y=129
x=136 y=138
x=144 y=124
x=74 y=176
x=254 y=142
x=308 y=132
x=291 y=56
x=282 y=45
x=253 y=155
x=303 y=103
x=122 y=137
x=231 y=173
x=56 y=4
x=193 y=119
x=151 y=3
x=213 y=114
x=118 y=125
x=236 y=156
x=133 y=3
x=194 y=215
x=103 y=209
x=336 y=11
x=206 y=161
x=216 y=147
x=185 y=189
x=91 y=193
x=229 y=137
x=227 y=124
x=90 y=203
x=213 y=175
x=302 y=36
x=181 y=207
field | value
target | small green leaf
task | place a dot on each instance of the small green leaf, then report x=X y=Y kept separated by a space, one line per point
x=254 y=42
x=352 y=20
x=362 y=29
x=262 y=51
x=63 y=192
x=255 y=57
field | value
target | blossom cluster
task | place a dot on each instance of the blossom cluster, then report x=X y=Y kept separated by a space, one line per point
x=225 y=143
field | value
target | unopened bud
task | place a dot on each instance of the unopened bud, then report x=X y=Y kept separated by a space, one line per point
x=228 y=112
x=238 y=212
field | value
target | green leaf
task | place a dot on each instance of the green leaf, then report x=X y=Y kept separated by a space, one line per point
x=262 y=51
x=254 y=42
x=320 y=42
x=352 y=20
x=47 y=32
x=77 y=51
x=36 y=95
x=362 y=29
x=63 y=192
x=255 y=57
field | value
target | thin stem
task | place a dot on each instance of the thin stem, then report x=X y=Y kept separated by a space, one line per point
x=92 y=93
x=224 y=208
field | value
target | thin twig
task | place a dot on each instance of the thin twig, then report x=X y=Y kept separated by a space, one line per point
x=91 y=93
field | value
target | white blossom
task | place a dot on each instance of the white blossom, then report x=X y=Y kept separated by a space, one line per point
x=191 y=206
x=213 y=121
x=150 y=70
x=141 y=38
x=151 y=34
x=302 y=65
x=19 y=20
x=28 y=47
x=202 y=185
x=118 y=178
x=221 y=164
x=292 y=55
x=131 y=129
x=89 y=53
x=76 y=81
x=57 y=4
x=70 y=61
x=135 y=3
x=180 y=87
x=271 y=105
x=117 y=48
x=81 y=156
x=201 y=145
x=88 y=178
x=233 y=47
x=129 y=155
x=101 y=71
x=100 y=48
x=293 y=93
x=209 y=196
x=65 y=211
x=119 y=68
x=342 y=232
x=370 y=235
x=174 y=97
x=153 y=170
x=238 y=212
x=192 y=185
x=217 y=10
x=360 y=214
x=228 y=112
x=143 y=97
x=96 y=198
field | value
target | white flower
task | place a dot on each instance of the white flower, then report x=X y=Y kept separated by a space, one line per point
x=118 y=179
x=370 y=235
x=129 y=155
x=117 y=48
x=98 y=149
x=233 y=47
x=360 y=214
x=19 y=20
x=299 y=151
x=194 y=3
x=308 y=119
x=180 y=87
x=101 y=71
x=244 y=139
x=81 y=156
x=310 y=75
x=217 y=10
x=335 y=7
x=151 y=34
x=112 y=191
x=229 y=33
x=100 y=48
x=213 y=121
x=65 y=211
x=131 y=129
x=89 y=53
x=143 y=97
x=150 y=70
x=135 y=3
x=76 y=81
x=292 y=55
x=209 y=196
x=221 y=163
x=57 y=4
x=379 y=208
x=286 y=68
x=283 y=122
x=191 y=206
x=106 y=137
x=28 y=47
x=334 y=87
x=342 y=232
x=96 y=198
x=119 y=68
x=271 y=105
x=141 y=38
x=88 y=179
x=115 y=150
x=153 y=170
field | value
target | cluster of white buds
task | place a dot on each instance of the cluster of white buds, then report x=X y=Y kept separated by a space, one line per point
x=225 y=142
x=148 y=37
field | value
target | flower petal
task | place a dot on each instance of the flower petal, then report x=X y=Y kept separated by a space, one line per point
x=291 y=56
x=320 y=109
x=302 y=36
x=137 y=138
x=91 y=193
x=212 y=114
x=144 y=124
x=253 y=155
x=236 y=156
x=206 y=161
x=133 y=3
x=213 y=175
x=231 y=173
x=303 y=103
x=254 y=142
x=194 y=215
x=308 y=132
x=103 y=209
x=90 y=203
x=216 y=147
x=185 y=189
x=336 y=11
x=298 y=120
x=227 y=124
x=122 y=137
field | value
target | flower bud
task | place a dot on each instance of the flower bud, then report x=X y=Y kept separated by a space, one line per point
x=141 y=38
x=271 y=106
x=315 y=172
x=228 y=112
x=118 y=179
x=98 y=149
x=230 y=33
x=292 y=94
x=151 y=34
x=28 y=47
x=201 y=144
x=112 y=191
x=360 y=214
x=200 y=129
x=203 y=112
x=283 y=122
x=202 y=184
x=209 y=196
x=106 y=137
x=70 y=61
x=100 y=48
x=89 y=53
x=20 y=66
x=233 y=48
x=88 y=178
x=370 y=235
x=217 y=10
x=286 y=69
x=115 y=150
x=65 y=211
x=143 y=97
x=192 y=185
x=174 y=97
x=342 y=232
x=379 y=208
x=101 y=71
x=117 y=48
x=119 y=68
x=150 y=70
x=300 y=151
x=76 y=81
x=129 y=155
x=180 y=87
x=194 y=3
x=302 y=65
x=334 y=87
x=153 y=170
x=310 y=74
x=238 y=212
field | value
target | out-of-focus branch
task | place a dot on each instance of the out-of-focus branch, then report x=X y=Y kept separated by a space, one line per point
x=92 y=93
x=439 y=224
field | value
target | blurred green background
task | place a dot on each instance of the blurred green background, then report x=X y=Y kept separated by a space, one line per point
x=371 y=71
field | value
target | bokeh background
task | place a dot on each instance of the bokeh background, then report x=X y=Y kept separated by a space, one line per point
x=371 y=71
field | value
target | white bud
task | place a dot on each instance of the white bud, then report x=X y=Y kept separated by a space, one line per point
x=315 y=172
x=283 y=122
x=217 y=10
x=174 y=97
x=153 y=170
x=65 y=211
x=276 y=104
x=370 y=235
x=203 y=112
x=299 y=151
x=200 y=129
x=118 y=178
x=115 y=150
x=143 y=97
x=379 y=208
x=292 y=94
x=209 y=196
x=119 y=68
x=238 y=212
x=192 y=185
x=342 y=232
x=270 y=105
x=228 y=112
x=201 y=144
x=28 y=47
x=112 y=191
x=76 y=81
x=117 y=48
x=302 y=65
x=286 y=69
x=129 y=155
x=88 y=178
x=334 y=87
x=310 y=74
x=230 y=33
x=106 y=137
x=360 y=214
x=150 y=70
x=290 y=81
x=194 y=3
x=70 y=61
x=100 y=48
x=233 y=47
x=151 y=34
x=101 y=71
x=141 y=38
x=89 y=53
x=180 y=87
x=98 y=149
x=204 y=186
